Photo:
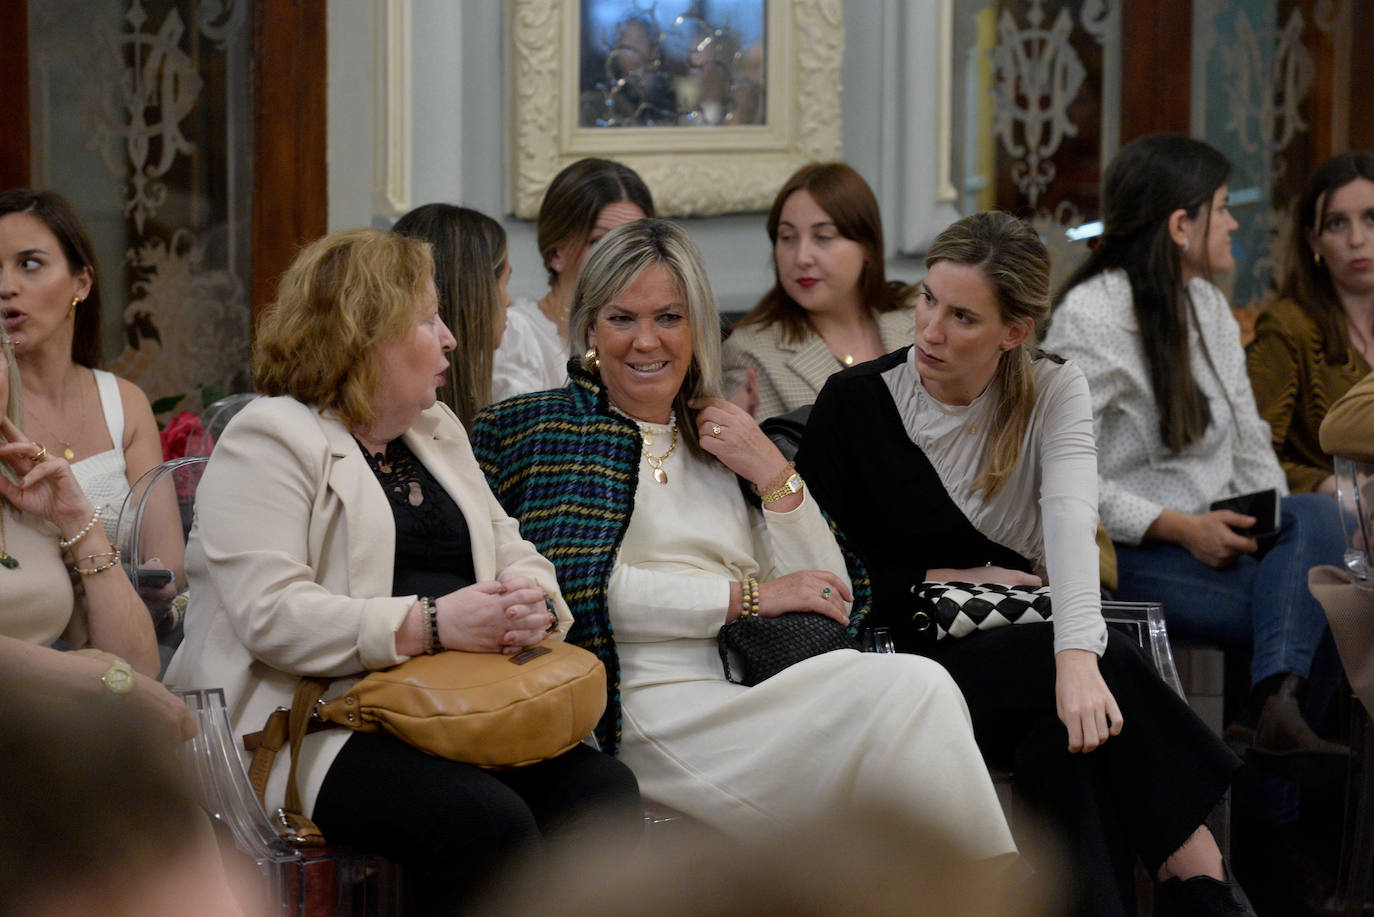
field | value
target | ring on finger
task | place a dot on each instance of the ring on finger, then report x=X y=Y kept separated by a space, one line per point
x=715 y=429
x=41 y=454
x=825 y=593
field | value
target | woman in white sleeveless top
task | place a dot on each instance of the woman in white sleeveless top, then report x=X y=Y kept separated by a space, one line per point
x=101 y=424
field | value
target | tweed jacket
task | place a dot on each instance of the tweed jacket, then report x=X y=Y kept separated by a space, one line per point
x=566 y=466
x=291 y=561
x=1295 y=385
x=791 y=375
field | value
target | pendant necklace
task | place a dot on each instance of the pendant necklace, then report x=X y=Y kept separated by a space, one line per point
x=68 y=452
x=656 y=461
x=6 y=560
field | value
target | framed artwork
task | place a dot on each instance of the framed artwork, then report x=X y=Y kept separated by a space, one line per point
x=713 y=102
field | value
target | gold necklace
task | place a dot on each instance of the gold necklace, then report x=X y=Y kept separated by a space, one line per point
x=6 y=560
x=68 y=452
x=656 y=461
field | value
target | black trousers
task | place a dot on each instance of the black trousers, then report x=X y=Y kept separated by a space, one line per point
x=457 y=824
x=1142 y=793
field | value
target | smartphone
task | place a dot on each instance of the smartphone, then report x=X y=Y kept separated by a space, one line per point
x=1262 y=504
x=152 y=577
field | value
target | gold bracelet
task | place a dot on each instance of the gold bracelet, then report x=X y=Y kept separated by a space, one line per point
x=65 y=543
x=749 y=597
x=101 y=568
x=754 y=595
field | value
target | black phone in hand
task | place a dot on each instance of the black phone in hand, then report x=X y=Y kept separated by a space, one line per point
x=1261 y=504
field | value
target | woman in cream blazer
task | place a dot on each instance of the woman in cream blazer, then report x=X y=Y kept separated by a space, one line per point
x=332 y=547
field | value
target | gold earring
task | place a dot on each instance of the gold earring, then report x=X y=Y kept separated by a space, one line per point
x=1317 y=259
x=76 y=301
x=591 y=360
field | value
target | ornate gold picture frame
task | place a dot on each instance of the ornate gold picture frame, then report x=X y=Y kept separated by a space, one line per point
x=695 y=170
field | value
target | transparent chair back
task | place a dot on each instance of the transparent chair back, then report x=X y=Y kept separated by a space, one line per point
x=1143 y=622
x=214 y=419
x=158 y=490
x=1355 y=496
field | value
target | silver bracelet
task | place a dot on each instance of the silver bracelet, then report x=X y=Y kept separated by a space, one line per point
x=65 y=543
x=431 y=625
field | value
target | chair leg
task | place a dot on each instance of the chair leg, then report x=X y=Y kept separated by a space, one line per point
x=1357 y=840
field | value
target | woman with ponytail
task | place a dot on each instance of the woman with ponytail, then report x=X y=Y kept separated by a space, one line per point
x=1177 y=430
x=970 y=457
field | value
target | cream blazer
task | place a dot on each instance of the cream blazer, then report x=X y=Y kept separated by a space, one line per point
x=791 y=375
x=291 y=558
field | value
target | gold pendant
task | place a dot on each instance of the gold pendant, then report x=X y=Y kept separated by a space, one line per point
x=648 y=437
x=660 y=476
x=67 y=452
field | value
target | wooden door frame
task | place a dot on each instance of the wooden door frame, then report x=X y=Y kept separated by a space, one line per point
x=290 y=177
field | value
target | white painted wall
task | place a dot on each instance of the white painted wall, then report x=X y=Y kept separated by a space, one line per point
x=458 y=147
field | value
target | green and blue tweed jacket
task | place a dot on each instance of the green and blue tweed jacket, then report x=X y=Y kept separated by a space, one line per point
x=566 y=467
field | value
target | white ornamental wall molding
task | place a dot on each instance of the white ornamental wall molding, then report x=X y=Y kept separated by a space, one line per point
x=1265 y=87
x=1036 y=76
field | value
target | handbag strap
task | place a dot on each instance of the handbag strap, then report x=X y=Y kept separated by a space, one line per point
x=285 y=726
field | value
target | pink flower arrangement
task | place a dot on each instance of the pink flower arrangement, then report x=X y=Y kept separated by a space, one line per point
x=185 y=435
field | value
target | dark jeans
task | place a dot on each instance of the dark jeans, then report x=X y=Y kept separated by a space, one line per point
x=458 y=824
x=1260 y=602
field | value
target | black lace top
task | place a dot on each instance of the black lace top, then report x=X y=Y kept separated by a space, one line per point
x=433 y=548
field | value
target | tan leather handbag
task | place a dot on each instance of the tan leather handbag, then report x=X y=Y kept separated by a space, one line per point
x=486 y=709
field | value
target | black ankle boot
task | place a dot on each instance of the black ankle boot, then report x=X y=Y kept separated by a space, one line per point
x=1203 y=896
x=1282 y=728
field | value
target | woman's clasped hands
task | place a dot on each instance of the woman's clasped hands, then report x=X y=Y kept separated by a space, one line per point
x=495 y=616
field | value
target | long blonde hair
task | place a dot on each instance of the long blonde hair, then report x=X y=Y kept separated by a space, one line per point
x=1017 y=265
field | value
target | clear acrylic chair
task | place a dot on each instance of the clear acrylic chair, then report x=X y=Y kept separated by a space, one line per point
x=214 y=419
x=1355 y=497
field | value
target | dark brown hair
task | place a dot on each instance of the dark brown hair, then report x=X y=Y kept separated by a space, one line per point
x=1305 y=281
x=469 y=251
x=1147 y=181
x=576 y=197
x=63 y=222
x=844 y=195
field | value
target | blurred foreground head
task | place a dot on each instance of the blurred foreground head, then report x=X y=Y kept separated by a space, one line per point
x=864 y=861
x=96 y=818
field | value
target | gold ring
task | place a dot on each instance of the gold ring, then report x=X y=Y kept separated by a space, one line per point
x=715 y=429
x=40 y=454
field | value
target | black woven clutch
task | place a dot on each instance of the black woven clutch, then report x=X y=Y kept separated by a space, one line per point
x=763 y=647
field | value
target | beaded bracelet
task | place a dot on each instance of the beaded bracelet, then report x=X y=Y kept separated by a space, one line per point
x=65 y=543
x=749 y=597
x=100 y=568
x=431 y=625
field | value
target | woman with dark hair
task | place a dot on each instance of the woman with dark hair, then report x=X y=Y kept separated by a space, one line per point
x=50 y=303
x=583 y=202
x=1177 y=429
x=471 y=272
x=831 y=304
x=969 y=457
x=1317 y=339
x=630 y=480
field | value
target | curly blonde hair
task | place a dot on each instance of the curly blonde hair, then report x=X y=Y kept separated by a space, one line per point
x=342 y=298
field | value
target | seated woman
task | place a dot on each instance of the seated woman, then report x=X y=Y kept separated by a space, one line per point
x=583 y=202
x=831 y=303
x=51 y=309
x=327 y=516
x=1317 y=340
x=968 y=458
x=629 y=480
x=1178 y=430
x=48 y=536
x=470 y=275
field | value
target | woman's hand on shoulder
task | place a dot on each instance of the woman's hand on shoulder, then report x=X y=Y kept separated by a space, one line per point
x=730 y=434
x=488 y=617
x=1000 y=576
x=806 y=590
x=1085 y=705
x=47 y=488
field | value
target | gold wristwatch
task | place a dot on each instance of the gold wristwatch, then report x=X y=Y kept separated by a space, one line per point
x=792 y=485
x=118 y=678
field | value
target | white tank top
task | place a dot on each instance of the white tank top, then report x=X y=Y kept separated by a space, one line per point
x=104 y=476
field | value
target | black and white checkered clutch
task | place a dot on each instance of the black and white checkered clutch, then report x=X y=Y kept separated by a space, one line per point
x=959 y=609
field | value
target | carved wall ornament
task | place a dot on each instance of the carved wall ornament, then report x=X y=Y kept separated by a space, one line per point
x=1036 y=77
x=692 y=171
x=1266 y=90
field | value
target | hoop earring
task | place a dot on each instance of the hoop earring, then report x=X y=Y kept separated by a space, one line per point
x=591 y=360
